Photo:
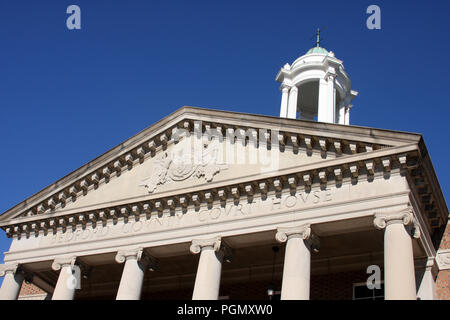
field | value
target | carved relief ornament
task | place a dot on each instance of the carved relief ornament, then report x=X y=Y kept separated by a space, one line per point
x=182 y=163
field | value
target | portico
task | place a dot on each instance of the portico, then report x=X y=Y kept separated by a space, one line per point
x=251 y=264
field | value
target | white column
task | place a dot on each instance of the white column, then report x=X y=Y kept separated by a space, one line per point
x=136 y=263
x=327 y=108
x=297 y=262
x=207 y=280
x=284 y=102
x=347 y=114
x=427 y=286
x=292 y=105
x=12 y=281
x=342 y=109
x=67 y=282
x=399 y=273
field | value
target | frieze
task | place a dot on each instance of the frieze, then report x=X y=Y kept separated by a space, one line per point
x=215 y=214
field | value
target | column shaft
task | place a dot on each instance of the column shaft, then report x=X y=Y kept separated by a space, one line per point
x=342 y=114
x=11 y=285
x=130 y=287
x=296 y=270
x=284 y=102
x=347 y=116
x=136 y=262
x=292 y=106
x=399 y=274
x=207 y=280
x=297 y=261
x=326 y=108
x=65 y=287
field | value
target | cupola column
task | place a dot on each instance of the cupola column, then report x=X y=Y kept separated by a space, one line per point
x=327 y=104
x=292 y=105
x=284 y=102
x=347 y=114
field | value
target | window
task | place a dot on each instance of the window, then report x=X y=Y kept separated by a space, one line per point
x=362 y=292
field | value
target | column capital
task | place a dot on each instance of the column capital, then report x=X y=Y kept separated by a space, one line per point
x=60 y=262
x=329 y=77
x=284 y=88
x=197 y=245
x=293 y=89
x=284 y=233
x=8 y=268
x=331 y=74
x=123 y=255
x=140 y=255
x=405 y=216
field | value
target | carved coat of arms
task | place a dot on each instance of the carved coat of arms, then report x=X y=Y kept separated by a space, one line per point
x=182 y=163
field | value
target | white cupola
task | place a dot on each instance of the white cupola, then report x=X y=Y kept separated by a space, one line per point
x=316 y=87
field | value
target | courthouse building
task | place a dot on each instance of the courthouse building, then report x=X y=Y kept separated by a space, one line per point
x=209 y=204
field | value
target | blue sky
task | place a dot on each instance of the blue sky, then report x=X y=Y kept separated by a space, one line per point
x=67 y=96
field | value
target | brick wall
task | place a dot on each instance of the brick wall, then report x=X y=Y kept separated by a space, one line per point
x=443 y=285
x=29 y=289
x=334 y=286
x=443 y=278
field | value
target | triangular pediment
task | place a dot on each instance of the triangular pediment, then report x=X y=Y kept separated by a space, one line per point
x=175 y=170
x=150 y=165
